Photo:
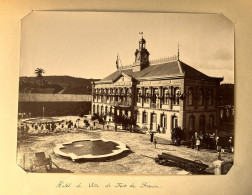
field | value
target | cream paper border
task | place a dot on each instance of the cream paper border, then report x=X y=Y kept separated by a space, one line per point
x=13 y=180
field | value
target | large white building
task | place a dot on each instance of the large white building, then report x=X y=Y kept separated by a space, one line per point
x=165 y=92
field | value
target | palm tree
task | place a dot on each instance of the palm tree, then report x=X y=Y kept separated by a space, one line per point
x=40 y=80
x=39 y=72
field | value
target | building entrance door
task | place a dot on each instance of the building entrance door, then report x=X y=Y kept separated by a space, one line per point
x=174 y=122
x=153 y=122
x=163 y=123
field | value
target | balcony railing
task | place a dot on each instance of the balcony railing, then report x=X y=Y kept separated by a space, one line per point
x=123 y=103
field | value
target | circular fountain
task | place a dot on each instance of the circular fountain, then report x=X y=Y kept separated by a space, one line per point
x=90 y=149
x=42 y=120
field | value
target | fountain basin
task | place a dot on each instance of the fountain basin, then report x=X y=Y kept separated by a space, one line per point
x=42 y=120
x=88 y=149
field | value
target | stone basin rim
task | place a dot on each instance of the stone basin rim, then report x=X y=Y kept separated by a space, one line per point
x=54 y=119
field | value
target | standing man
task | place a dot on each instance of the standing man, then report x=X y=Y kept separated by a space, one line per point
x=152 y=136
x=155 y=143
x=193 y=140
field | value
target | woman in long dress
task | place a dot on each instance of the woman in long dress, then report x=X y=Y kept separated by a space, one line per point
x=198 y=142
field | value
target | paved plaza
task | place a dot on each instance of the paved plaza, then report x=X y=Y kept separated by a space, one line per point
x=139 y=160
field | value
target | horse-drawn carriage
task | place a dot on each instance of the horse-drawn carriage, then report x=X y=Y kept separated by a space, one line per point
x=177 y=135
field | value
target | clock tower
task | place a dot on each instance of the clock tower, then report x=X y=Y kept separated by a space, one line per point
x=141 y=56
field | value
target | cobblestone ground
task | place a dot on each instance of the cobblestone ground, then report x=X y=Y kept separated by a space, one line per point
x=140 y=159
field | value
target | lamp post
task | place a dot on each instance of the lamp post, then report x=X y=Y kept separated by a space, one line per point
x=43 y=111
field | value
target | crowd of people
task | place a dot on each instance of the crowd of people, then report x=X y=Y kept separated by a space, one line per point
x=210 y=141
x=24 y=129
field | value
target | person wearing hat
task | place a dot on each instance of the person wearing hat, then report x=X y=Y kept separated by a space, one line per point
x=151 y=137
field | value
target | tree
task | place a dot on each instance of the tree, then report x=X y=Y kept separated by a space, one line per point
x=39 y=72
x=123 y=120
x=40 y=80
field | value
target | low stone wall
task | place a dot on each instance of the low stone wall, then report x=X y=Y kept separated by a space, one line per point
x=40 y=97
x=54 y=108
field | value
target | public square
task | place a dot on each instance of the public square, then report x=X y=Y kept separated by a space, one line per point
x=155 y=104
x=138 y=160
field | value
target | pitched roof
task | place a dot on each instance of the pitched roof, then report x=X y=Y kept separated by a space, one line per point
x=164 y=70
x=192 y=72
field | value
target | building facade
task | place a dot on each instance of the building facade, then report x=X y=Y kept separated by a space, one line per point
x=159 y=94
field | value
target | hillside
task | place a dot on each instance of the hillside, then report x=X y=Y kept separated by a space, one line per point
x=59 y=84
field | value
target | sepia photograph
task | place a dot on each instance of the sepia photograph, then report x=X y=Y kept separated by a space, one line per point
x=126 y=93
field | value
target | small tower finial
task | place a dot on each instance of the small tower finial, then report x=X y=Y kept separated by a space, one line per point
x=141 y=33
x=178 y=50
x=117 y=63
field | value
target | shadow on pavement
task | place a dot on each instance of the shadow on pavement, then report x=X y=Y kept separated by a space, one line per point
x=58 y=170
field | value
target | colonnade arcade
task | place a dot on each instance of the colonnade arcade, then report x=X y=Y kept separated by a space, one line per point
x=110 y=110
x=115 y=96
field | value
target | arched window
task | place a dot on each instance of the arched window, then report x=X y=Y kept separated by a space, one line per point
x=190 y=96
x=137 y=116
x=201 y=96
x=177 y=95
x=145 y=117
x=146 y=97
x=211 y=122
x=116 y=94
x=202 y=123
x=101 y=109
x=155 y=96
x=192 y=123
x=174 y=123
x=97 y=109
x=210 y=97
x=164 y=121
x=93 y=108
x=138 y=94
x=166 y=96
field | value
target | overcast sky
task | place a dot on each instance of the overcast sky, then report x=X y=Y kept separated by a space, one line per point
x=85 y=44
